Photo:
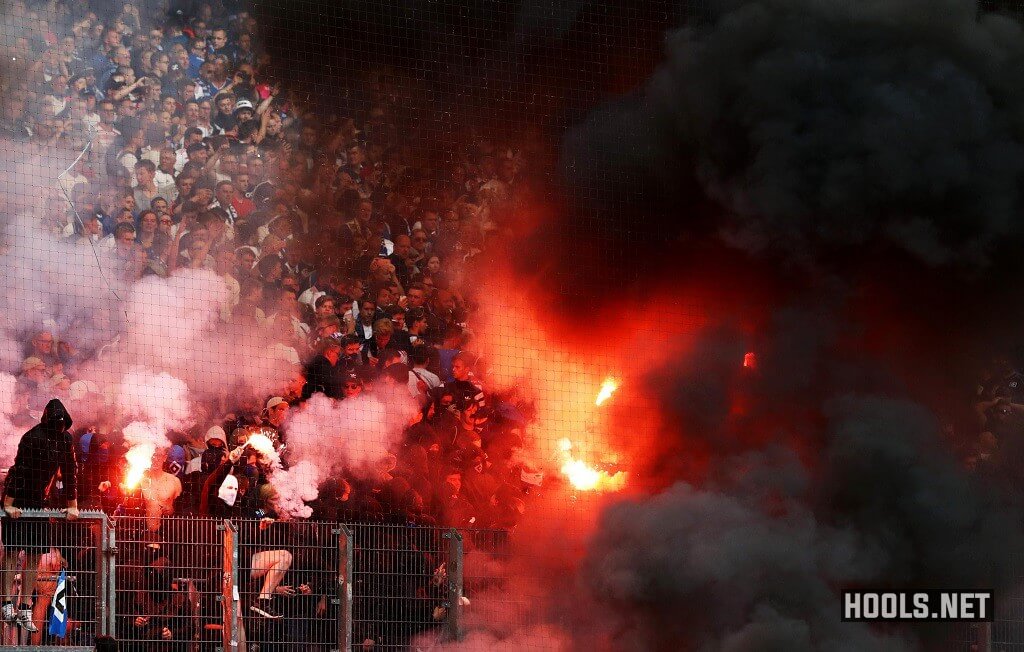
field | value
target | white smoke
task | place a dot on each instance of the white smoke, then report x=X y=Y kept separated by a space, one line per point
x=156 y=398
x=78 y=292
x=295 y=487
x=326 y=437
x=54 y=285
x=354 y=433
x=161 y=402
x=139 y=436
x=9 y=435
x=173 y=324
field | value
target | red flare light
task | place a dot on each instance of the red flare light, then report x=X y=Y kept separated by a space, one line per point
x=585 y=477
x=608 y=388
x=140 y=459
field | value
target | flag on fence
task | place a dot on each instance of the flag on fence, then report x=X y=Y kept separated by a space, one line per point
x=59 y=619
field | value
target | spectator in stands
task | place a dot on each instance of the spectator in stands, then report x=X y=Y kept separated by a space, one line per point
x=325 y=372
x=211 y=166
x=159 y=491
x=385 y=338
x=105 y=643
x=157 y=613
x=43 y=450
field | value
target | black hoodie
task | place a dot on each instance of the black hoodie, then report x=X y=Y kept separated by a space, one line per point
x=42 y=450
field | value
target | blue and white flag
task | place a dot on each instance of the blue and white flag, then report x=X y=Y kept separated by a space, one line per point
x=59 y=619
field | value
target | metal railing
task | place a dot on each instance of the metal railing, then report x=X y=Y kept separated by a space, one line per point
x=185 y=583
x=406 y=582
x=168 y=577
x=44 y=543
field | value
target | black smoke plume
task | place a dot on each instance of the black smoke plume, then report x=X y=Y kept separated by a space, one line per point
x=834 y=134
x=818 y=131
x=828 y=477
x=817 y=126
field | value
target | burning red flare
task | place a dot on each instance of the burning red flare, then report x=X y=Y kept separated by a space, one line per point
x=585 y=477
x=608 y=388
x=580 y=474
x=140 y=459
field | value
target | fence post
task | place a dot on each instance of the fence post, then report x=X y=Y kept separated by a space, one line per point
x=454 y=569
x=111 y=588
x=102 y=581
x=229 y=587
x=344 y=587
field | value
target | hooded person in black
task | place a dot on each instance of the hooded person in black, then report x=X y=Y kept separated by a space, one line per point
x=43 y=450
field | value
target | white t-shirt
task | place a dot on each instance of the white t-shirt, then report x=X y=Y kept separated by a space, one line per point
x=429 y=377
x=310 y=295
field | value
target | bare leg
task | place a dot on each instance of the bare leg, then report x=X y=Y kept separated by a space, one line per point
x=49 y=565
x=10 y=562
x=39 y=608
x=273 y=564
x=28 y=578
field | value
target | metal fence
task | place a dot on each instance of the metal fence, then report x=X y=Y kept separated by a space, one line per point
x=406 y=581
x=288 y=577
x=40 y=545
x=175 y=583
x=1004 y=634
x=168 y=582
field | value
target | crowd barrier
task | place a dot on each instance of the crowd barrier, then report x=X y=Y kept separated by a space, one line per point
x=82 y=549
x=189 y=584
x=405 y=581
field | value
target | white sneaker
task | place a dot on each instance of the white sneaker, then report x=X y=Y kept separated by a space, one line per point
x=25 y=621
x=7 y=612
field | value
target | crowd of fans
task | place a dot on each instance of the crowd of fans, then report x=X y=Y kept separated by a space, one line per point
x=348 y=247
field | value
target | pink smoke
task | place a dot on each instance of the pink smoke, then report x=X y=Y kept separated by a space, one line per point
x=173 y=325
x=156 y=398
x=354 y=433
x=9 y=435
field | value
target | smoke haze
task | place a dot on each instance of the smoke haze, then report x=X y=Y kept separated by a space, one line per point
x=819 y=125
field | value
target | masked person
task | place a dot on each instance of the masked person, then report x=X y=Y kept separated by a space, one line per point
x=43 y=450
x=159 y=611
x=227 y=495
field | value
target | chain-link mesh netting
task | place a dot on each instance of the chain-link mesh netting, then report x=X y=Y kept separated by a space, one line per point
x=367 y=322
x=264 y=256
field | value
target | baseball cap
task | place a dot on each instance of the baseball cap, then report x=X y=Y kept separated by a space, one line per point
x=275 y=401
x=243 y=104
x=81 y=388
x=31 y=363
